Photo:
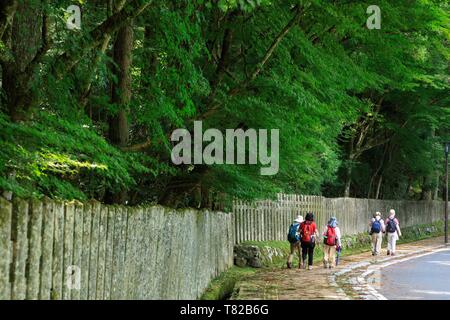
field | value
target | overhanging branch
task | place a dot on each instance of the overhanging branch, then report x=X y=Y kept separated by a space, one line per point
x=269 y=52
x=138 y=146
x=67 y=60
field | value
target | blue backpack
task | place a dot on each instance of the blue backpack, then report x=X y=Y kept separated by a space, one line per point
x=376 y=226
x=293 y=236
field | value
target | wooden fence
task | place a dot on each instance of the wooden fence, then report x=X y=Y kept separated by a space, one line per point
x=115 y=252
x=270 y=220
x=119 y=252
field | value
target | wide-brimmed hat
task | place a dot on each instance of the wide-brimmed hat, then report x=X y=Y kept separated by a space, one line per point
x=299 y=219
x=333 y=222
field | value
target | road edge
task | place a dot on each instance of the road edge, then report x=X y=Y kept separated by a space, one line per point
x=359 y=282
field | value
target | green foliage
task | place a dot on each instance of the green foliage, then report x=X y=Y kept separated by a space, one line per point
x=55 y=157
x=222 y=286
x=327 y=80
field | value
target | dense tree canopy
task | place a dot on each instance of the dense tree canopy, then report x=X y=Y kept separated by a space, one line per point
x=88 y=113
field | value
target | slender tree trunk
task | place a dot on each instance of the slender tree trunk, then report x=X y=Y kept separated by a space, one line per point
x=348 y=171
x=377 y=171
x=410 y=180
x=151 y=56
x=436 y=187
x=380 y=180
x=348 y=181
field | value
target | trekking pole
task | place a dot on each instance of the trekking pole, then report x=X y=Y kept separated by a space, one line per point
x=338 y=253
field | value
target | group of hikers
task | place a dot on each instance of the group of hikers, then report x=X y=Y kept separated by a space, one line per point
x=303 y=236
x=378 y=227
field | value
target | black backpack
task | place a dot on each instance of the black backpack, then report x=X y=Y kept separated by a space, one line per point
x=391 y=226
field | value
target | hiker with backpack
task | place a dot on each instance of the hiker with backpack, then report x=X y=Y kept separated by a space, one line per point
x=377 y=228
x=308 y=236
x=294 y=240
x=393 y=232
x=332 y=241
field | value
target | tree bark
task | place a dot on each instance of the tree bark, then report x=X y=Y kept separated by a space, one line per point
x=119 y=131
x=426 y=189
x=380 y=180
x=348 y=181
x=377 y=171
x=436 y=187
x=7 y=10
x=120 y=19
x=85 y=90
x=121 y=92
x=28 y=30
x=348 y=170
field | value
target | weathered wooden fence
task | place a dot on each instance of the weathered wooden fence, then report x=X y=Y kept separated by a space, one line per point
x=269 y=220
x=117 y=252
x=121 y=252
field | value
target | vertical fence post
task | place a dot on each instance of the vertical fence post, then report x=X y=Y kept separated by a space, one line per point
x=5 y=247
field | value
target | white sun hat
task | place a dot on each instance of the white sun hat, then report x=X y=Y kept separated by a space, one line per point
x=299 y=219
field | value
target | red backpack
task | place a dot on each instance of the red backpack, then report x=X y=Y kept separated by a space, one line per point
x=306 y=228
x=331 y=236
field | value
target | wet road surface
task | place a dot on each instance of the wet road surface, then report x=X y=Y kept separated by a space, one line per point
x=423 y=278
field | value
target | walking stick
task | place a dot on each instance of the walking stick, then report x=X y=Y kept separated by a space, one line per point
x=338 y=253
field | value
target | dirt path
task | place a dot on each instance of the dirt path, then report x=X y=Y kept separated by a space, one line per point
x=341 y=283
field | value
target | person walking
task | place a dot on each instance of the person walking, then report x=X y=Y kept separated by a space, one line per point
x=294 y=240
x=377 y=229
x=308 y=235
x=393 y=232
x=331 y=240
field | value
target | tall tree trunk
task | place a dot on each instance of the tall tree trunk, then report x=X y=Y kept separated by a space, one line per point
x=426 y=193
x=121 y=92
x=17 y=73
x=119 y=131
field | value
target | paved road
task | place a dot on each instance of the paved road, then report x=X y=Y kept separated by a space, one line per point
x=424 y=278
x=294 y=284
